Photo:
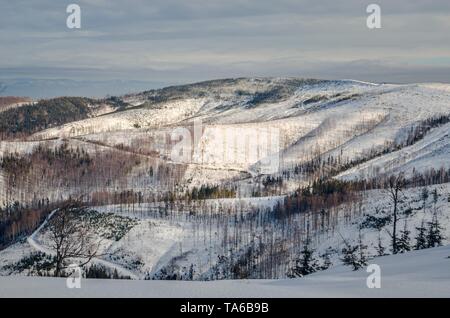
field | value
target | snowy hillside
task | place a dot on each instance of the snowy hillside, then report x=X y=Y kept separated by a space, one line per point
x=152 y=243
x=233 y=179
x=416 y=274
x=309 y=117
x=432 y=151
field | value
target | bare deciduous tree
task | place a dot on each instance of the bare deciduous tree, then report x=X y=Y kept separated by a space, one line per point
x=395 y=185
x=70 y=237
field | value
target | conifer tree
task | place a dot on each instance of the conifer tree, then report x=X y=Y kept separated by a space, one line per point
x=191 y=272
x=350 y=257
x=306 y=263
x=362 y=251
x=395 y=186
x=355 y=256
x=421 y=238
x=435 y=199
x=404 y=240
x=326 y=260
x=435 y=196
x=434 y=236
x=424 y=196
x=380 y=248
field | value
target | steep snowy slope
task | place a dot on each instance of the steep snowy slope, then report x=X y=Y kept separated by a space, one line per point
x=405 y=107
x=433 y=151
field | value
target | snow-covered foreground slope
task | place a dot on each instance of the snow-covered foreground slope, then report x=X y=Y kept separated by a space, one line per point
x=424 y=273
x=156 y=243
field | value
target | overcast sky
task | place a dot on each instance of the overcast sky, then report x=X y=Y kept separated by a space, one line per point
x=177 y=41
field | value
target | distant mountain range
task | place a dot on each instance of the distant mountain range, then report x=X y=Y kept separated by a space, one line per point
x=47 y=88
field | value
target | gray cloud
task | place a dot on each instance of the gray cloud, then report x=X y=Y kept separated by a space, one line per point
x=175 y=40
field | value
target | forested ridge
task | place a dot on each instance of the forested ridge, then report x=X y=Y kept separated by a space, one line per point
x=30 y=118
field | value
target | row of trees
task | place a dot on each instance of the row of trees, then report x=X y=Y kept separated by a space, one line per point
x=320 y=195
x=258 y=243
x=321 y=166
x=356 y=255
x=210 y=192
x=400 y=243
x=18 y=220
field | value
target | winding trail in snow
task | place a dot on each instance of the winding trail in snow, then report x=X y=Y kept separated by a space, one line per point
x=39 y=247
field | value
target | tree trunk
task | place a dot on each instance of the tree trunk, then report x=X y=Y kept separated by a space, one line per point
x=58 y=266
x=394 y=231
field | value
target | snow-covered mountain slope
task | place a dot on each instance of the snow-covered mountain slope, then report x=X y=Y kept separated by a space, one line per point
x=251 y=144
x=150 y=117
x=422 y=273
x=309 y=116
x=433 y=151
x=246 y=123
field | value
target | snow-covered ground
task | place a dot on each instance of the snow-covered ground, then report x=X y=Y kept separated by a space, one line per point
x=33 y=241
x=155 y=241
x=345 y=119
x=216 y=205
x=146 y=117
x=424 y=273
x=378 y=203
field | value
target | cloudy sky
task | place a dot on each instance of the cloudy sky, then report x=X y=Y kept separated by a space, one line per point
x=178 y=41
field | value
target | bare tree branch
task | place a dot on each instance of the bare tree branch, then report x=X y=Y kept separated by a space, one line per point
x=70 y=238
